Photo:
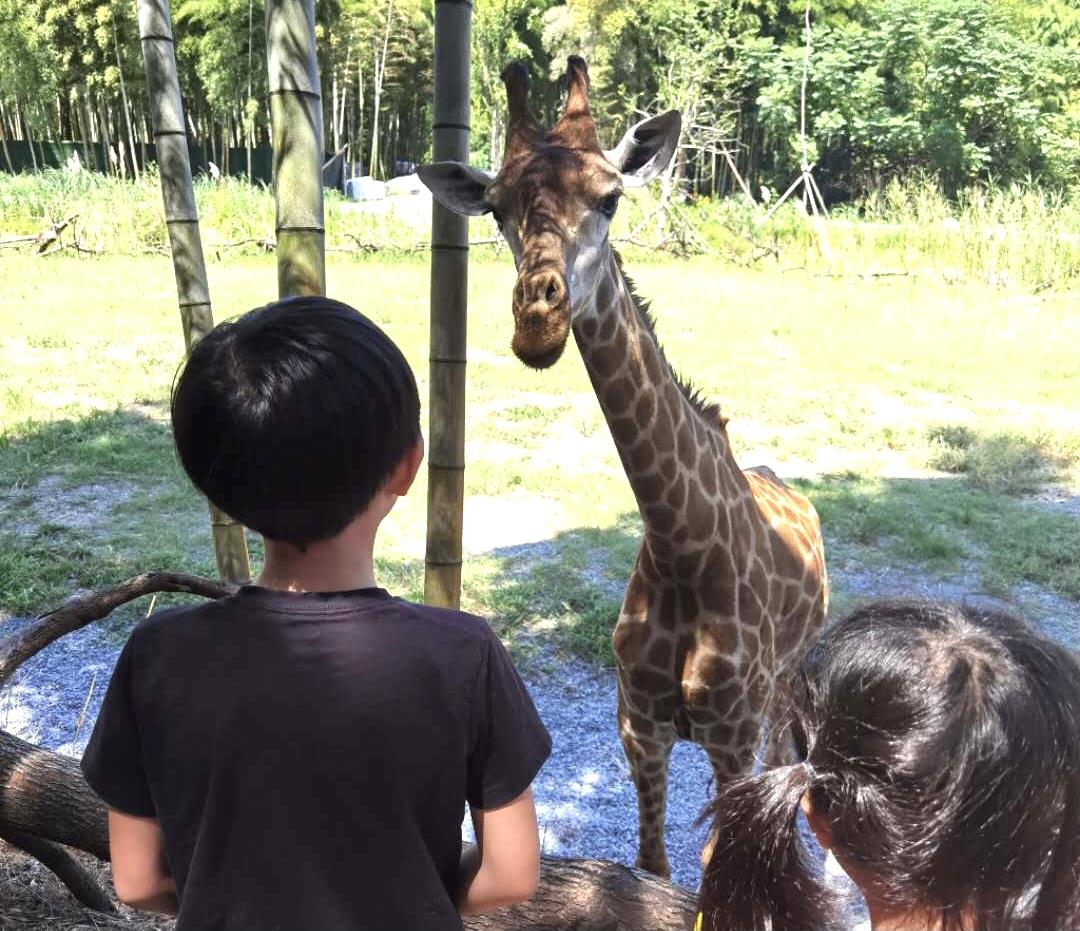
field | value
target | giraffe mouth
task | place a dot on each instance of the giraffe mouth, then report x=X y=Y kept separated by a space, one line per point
x=541 y=320
x=541 y=359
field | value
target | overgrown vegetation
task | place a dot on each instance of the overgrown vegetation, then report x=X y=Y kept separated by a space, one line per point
x=919 y=415
x=1020 y=235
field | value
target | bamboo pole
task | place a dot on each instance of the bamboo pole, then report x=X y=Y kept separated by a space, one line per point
x=182 y=219
x=296 y=118
x=449 y=293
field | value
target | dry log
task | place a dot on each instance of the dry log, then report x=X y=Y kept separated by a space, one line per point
x=86 y=607
x=595 y=895
x=44 y=794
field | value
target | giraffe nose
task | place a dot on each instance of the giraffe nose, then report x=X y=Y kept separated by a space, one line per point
x=543 y=287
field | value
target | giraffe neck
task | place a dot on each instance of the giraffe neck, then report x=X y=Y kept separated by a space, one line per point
x=674 y=449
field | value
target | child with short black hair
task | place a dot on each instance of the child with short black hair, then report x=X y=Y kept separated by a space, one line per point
x=942 y=769
x=298 y=755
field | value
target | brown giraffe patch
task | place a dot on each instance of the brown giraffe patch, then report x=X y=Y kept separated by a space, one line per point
x=619 y=395
x=642 y=457
x=661 y=653
x=645 y=410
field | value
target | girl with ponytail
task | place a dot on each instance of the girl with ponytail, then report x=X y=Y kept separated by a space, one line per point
x=941 y=767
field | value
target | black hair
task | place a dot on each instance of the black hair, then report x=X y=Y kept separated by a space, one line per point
x=291 y=417
x=943 y=751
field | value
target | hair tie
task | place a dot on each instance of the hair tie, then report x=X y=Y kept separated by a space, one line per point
x=808 y=768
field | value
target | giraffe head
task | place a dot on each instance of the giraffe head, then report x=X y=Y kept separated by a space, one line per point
x=553 y=200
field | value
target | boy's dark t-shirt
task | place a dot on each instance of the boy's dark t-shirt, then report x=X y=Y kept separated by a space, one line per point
x=309 y=755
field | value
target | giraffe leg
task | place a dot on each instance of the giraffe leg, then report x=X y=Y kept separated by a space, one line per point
x=727 y=763
x=647 y=745
x=782 y=727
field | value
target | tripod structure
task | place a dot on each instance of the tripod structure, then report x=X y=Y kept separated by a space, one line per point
x=813 y=201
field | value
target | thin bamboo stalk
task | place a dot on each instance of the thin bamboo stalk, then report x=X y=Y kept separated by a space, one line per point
x=449 y=293
x=182 y=219
x=297 y=124
x=124 y=100
x=4 y=142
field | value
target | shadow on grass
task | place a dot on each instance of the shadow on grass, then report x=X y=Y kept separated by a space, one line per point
x=928 y=531
x=92 y=500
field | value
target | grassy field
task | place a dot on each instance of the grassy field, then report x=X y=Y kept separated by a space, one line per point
x=934 y=424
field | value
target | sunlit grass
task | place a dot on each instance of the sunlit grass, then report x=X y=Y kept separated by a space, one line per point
x=916 y=412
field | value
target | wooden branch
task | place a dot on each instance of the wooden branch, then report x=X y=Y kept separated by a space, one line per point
x=266 y=245
x=67 y=869
x=86 y=607
x=50 y=236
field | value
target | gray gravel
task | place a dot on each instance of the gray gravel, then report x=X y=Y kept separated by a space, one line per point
x=585 y=800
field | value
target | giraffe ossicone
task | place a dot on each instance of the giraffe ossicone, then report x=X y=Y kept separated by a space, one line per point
x=728 y=589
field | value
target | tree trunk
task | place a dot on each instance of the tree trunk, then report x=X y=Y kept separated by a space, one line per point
x=44 y=794
x=29 y=138
x=111 y=167
x=595 y=895
x=87 y=132
x=296 y=115
x=380 y=77
x=182 y=219
x=4 y=139
x=124 y=102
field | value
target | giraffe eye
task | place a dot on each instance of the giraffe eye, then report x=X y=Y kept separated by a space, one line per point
x=609 y=205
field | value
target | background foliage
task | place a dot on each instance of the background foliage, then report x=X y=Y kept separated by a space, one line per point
x=957 y=91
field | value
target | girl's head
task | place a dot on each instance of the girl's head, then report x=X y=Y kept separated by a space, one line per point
x=942 y=767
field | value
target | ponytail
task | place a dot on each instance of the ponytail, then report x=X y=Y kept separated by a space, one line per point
x=759 y=876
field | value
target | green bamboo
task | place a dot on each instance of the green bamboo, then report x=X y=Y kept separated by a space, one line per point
x=449 y=290
x=182 y=219
x=296 y=118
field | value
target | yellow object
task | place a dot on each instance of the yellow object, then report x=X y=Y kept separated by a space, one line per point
x=697 y=924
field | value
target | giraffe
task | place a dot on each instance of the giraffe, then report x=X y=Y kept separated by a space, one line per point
x=728 y=588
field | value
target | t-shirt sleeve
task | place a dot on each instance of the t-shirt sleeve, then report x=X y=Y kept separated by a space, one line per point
x=112 y=762
x=510 y=743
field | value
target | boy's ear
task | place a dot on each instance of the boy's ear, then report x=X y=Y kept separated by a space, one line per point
x=405 y=473
x=457 y=187
x=644 y=152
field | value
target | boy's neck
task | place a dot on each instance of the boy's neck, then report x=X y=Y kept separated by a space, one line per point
x=343 y=563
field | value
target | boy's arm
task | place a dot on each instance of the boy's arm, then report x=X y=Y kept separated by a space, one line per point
x=140 y=875
x=504 y=866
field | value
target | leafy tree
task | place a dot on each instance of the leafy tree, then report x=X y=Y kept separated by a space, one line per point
x=949 y=87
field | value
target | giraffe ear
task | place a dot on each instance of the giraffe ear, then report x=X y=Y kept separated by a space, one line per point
x=644 y=152
x=457 y=187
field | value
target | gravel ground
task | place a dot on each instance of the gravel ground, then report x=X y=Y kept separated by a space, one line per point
x=585 y=800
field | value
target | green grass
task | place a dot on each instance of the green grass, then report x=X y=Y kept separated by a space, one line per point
x=917 y=413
